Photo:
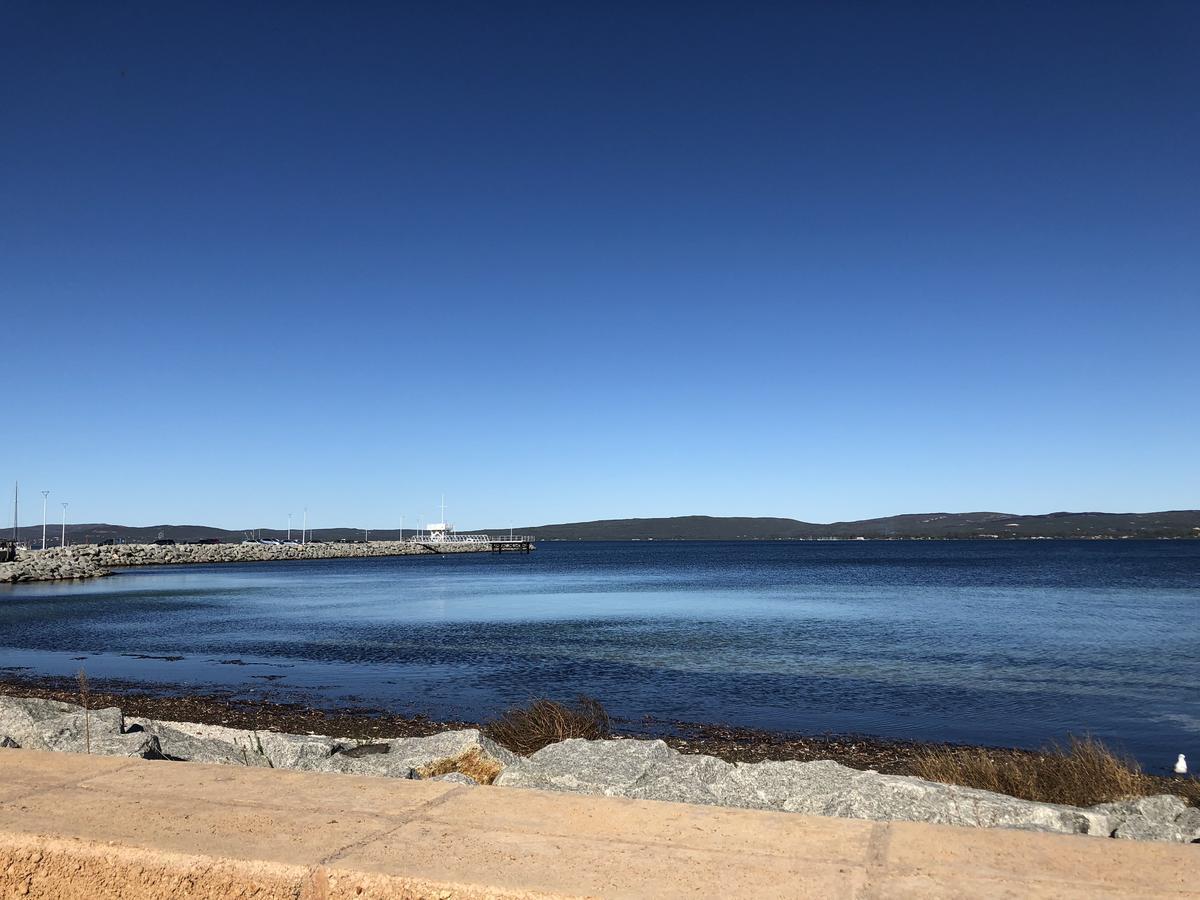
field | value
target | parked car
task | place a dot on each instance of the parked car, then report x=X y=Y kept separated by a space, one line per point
x=165 y=542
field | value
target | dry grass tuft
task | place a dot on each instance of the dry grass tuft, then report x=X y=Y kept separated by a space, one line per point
x=1187 y=788
x=1082 y=773
x=471 y=763
x=527 y=729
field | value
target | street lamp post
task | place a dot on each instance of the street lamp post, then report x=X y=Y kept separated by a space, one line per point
x=64 y=531
x=45 y=494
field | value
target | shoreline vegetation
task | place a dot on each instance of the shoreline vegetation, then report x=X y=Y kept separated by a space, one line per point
x=1082 y=772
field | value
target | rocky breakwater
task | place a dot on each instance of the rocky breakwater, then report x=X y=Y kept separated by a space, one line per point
x=49 y=565
x=647 y=770
x=88 y=560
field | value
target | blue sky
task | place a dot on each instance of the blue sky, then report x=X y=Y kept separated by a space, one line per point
x=572 y=261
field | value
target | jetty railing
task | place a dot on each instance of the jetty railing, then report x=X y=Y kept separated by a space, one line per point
x=436 y=538
x=468 y=539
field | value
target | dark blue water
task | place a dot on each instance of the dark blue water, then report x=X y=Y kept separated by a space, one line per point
x=988 y=642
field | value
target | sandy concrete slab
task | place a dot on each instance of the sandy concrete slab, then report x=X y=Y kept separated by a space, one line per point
x=185 y=824
x=920 y=854
x=670 y=825
x=22 y=771
x=283 y=789
x=99 y=827
x=583 y=865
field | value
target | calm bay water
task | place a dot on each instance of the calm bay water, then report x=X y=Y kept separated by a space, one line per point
x=988 y=642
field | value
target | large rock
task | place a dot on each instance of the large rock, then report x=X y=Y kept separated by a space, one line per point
x=648 y=770
x=397 y=758
x=145 y=746
x=38 y=724
x=405 y=756
x=652 y=770
x=1161 y=818
x=240 y=747
x=35 y=724
x=829 y=789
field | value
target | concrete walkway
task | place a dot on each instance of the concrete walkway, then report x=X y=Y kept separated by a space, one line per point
x=97 y=827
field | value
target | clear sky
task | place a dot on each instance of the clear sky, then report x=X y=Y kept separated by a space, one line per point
x=567 y=261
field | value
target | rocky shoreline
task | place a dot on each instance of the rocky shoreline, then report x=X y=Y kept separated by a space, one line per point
x=233 y=709
x=629 y=767
x=93 y=561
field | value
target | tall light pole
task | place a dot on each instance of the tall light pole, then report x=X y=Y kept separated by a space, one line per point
x=45 y=494
x=64 y=534
x=289 y=528
x=402 y=529
x=304 y=528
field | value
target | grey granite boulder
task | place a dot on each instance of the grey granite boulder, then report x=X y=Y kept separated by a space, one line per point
x=404 y=756
x=241 y=747
x=1161 y=818
x=38 y=724
x=397 y=758
x=647 y=770
x=308 y=752
x=181 y=744
x=145 y=746
x=835 y=790
x=34 y=724
x=827 y=788
x=651 y=770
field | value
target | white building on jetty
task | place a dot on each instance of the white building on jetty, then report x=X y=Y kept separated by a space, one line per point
x=443 y=533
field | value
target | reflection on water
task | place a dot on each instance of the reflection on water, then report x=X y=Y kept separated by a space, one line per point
x=970 y=641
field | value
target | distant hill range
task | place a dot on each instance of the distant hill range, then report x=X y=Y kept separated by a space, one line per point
x=1173 y=524
x=916 y=526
